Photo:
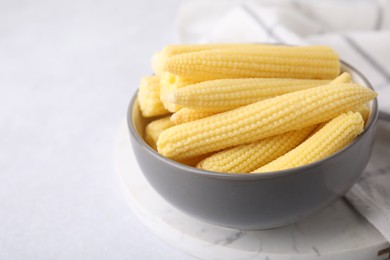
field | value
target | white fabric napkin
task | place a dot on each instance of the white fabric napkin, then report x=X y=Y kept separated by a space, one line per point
x=358 y=30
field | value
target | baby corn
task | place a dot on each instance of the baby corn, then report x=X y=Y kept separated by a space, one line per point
x=154 y=129
x=185 y=115
x=256 y=61
x=329 y=139
x=364 y=110
x=226 y=94
x=345 y=77
x=168 y=51
x=149 y=97
x=170 y=82
x=246 y=158
x=261 y=119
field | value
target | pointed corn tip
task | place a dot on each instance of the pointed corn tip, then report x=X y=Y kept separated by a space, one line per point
x=369 y=92
x=372 y=93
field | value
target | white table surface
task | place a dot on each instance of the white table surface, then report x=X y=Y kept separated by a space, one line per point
x=67 y=70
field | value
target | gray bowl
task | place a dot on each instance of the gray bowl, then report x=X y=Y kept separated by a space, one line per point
x=255 y=201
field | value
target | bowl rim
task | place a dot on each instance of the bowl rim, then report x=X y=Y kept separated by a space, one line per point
x=254 y=176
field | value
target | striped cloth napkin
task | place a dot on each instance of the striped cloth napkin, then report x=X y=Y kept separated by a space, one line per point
x=358 y=30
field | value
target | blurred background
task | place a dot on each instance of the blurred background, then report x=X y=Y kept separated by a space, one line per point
x=67 y=72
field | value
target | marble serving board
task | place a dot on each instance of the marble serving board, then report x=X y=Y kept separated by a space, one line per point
x=337 y=232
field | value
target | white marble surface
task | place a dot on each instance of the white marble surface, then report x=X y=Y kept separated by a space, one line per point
x=67 y=70
x=337 y=233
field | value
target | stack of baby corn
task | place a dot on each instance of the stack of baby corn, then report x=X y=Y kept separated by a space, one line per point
x=250 y=108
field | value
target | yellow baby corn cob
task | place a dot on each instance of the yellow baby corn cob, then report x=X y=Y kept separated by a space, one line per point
x=256 y=61
x=329 y=139
x=364 y=110
x=170 y=82
x=149 y=97
x=261 y=119
x=185 y=115
x=345 y=77
x=168 y=51
x=226 y=94
x=246 y=158
x=154 y=129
